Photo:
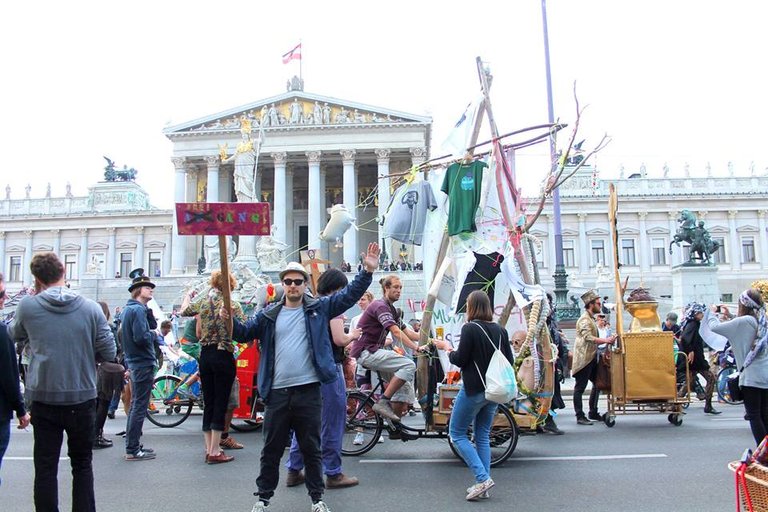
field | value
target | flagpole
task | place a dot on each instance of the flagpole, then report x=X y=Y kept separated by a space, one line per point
x=301 y=60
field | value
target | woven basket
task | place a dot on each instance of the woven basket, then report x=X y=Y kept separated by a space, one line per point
x=757 y=485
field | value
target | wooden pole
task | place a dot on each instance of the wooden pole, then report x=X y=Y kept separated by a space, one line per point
x=227 y=293
x=613 y=206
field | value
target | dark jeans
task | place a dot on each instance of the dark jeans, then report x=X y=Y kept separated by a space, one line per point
x=50 y=422
x=586 y=374
x=297 y=408
x=756 y=405
x=217 y=373
x=141 y=382
x=5 y=438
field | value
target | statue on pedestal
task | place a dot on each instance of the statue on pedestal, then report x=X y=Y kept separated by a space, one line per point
x=693 y=232
x=245 y=163
x=270 y=252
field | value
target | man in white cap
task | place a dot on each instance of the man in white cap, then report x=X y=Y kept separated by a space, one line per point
x=296 y=357
x=585 y=357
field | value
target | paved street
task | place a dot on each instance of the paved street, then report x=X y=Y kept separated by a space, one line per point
x=642 y=464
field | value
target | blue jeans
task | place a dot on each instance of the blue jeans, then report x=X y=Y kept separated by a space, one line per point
x=5 y=438
x=141 y=383
x=475 y=411
x=333 y=421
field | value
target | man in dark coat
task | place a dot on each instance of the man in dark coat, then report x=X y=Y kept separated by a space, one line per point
x=693 y=345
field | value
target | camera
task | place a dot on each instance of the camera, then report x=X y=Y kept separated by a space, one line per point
x=718 y=309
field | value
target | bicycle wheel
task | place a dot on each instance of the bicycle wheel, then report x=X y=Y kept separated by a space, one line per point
x=363 y=425
x=166 y=409
x=246 y=425
x=504 y=435
x=722 y=385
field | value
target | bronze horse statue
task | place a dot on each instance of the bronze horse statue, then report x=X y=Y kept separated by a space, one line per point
x=702 y=245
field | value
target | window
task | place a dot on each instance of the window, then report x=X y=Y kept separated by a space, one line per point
x=154 y=264
x=569 y=254
x=686 y=253
x=539 y=255
x=719 y=255
x=628 y=251
x=14 y=273
x=726 y=297
x=126 y=260
x=659 y=251
x=70 y=266
x=598 y=252
x=748 y=250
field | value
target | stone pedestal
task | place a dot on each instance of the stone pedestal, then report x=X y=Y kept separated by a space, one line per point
x=694 y=283
x=246 y=253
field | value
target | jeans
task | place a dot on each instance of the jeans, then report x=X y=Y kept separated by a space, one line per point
x=586 y=374
x=297 y=408
x=141 y=382
x=476 y=411
x=217 y=373
x=756 y=406
x=5 y=438
x=333 y=419
x=50 y=422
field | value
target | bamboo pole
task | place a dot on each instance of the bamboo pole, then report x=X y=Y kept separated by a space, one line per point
x=226 y=292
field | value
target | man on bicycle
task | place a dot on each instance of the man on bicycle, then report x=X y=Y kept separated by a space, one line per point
x=378 y=321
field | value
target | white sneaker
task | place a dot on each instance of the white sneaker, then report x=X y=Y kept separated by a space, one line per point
x=358 y=439
x=260 y=506
x=483 y=496
x=381 y=439
x=476 y=490
x=320 y=506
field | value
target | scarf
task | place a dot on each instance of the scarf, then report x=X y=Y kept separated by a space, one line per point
x=762 y=328
x=691 y=310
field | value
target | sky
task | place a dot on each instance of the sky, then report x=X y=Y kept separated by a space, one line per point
x=670 y=82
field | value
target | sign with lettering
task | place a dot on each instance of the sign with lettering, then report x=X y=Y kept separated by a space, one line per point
x=223 y=218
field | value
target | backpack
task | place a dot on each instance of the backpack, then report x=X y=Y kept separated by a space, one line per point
x=500 y=382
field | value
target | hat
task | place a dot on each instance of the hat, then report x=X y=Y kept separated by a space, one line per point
x=589 y=296
x=672 y=316
x=139 y=279
x=294 y=267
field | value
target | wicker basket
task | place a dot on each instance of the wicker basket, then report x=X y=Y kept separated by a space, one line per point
x=756 y=477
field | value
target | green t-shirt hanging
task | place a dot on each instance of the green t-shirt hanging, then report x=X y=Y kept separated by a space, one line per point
x=462 y=184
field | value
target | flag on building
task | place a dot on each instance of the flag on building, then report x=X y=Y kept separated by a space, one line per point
x=295 y=53
x=457 y=141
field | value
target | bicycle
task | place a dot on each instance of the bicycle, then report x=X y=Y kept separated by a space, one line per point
x=727 y=364
x=170 y=404
x=364 y=427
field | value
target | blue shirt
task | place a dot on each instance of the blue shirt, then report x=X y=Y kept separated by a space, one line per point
x=293 y=354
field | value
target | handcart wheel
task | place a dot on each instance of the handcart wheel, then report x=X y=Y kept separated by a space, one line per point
x=609 y=421
x=675 y=419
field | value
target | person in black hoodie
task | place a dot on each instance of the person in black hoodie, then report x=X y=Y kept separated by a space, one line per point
x=10 y=391
x=693 y=345
x=480 y=336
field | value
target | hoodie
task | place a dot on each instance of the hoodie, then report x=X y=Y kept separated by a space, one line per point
x=65 y=333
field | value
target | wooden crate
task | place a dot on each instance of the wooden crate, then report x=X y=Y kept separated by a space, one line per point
x=446 y=398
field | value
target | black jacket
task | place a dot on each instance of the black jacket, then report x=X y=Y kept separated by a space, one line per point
x=474 y=347
x=692 y=341
x=10 y=392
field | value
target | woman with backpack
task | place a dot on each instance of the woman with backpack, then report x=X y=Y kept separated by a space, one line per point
x=480 y=337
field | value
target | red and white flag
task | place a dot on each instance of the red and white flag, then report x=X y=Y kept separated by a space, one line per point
x=295 y=53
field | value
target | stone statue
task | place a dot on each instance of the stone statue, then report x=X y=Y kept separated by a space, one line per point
x=341 y=117
x=264 y=116
x=296 y=112
x=270 y=252
x=603 y=274
x=752 y=168
x=317 y=113
x=69 y=190
x=730 y=169
x=708 y=168
x=621 y=172
x=643 y=170
x=359 y=118
x=693 y=232
x=245 y=158
x=28 y=190
x=666 y=170
x=7 y=191
x=110 y=173
x=687 y=170
x=326 y=114
x=214 y=256
x=273 y=119
x=48 y=191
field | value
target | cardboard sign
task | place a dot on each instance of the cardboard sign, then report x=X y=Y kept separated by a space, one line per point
x=223 y=218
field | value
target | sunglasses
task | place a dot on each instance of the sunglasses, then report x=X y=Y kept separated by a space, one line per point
x=289 y=282
x=2 y=294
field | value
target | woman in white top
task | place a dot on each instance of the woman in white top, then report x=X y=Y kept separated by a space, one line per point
x=748 y=334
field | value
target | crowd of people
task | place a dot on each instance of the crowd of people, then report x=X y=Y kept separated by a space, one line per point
x=307 y=361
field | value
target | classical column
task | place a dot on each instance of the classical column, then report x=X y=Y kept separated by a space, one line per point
x=735 y=252
x=27 y=280
x=257 y=188
x=280 y=201
x=643 y=245
x=2 y=253
x=111 y=252
x=323 y=209
x=56 y=233
x=584 y=245
x=762 y=239
x=82 y=260
x=212 y=195
x=674 y=258
x=138 y=258
x=179 y=243
x=551 y=240
x=289 y=221
x=316 y=197
x=382 y=159
x=167 y=252
x=418 y=156
x=350 y=201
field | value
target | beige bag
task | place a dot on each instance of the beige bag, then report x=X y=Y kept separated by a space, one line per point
x=525 y=374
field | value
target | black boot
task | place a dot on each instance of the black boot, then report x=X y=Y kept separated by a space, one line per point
x=101 y=442
x=708 y=409
x=550 y=427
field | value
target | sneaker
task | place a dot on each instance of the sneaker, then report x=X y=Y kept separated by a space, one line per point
x=384 y=409
x=582 y=420
x=358 y=439
x=340 y=481
x=476 y=490
x=595 y=416
x=483 y=496
x=260 y=506
x=294 y=478
x=320 y=506
x=230 y=444
x=148 y=450
x=551 y=428
x=140 y=455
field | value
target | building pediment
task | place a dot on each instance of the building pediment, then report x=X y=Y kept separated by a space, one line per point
x=570 y=232
x=656 y=230
x=718 y=229
x=747 y=229
x=296 y=110
x=598 y=231
x=155 y=244
x=98 y=246
x=538 y=233
x=16 y=248
x=70 y=247
x=629 y=231
x=125 y=244
x=42 y=248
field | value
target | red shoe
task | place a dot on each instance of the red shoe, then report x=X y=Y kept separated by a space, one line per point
x=219 y=458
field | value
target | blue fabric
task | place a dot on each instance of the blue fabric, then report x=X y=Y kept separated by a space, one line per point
x=476 y=411
x=138 y=339
x=141 y=387
x=317 y=313
x=290 y=328
x=333 y=420
x=5 y=438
